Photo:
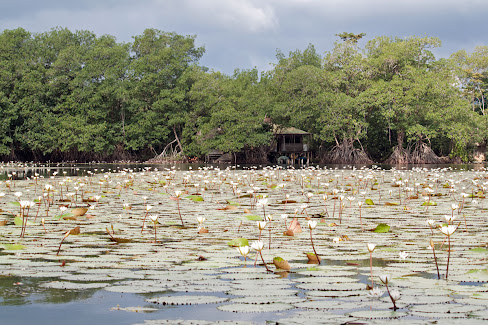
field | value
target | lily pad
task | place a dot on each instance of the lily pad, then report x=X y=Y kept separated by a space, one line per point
x=238 y=242
x=382 y=228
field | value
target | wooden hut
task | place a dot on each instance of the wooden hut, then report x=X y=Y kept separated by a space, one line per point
x=291 y=143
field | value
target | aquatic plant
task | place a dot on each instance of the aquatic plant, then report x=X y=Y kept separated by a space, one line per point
x=371 y=248
x=393 y=294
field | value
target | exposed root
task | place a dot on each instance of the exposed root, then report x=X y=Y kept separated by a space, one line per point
x=423 y=154
x=399 y=156
x=171 y=153
x=346 y=153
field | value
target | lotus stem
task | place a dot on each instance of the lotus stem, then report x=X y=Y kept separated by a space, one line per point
x=371 y=268
x=313 y=246
x=448 y=254
x=392 y=300
x=144 y=221
x=179 y=212
x=265 y=265
x=435 y=259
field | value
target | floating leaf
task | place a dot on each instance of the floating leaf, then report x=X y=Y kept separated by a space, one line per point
x=254 y=218
x=392 y=203
x=381 y=228
x=12 y=247
x=228 y=207
x=281 y=263
x=229 y=202
x=75 y=231
x=194 y=198
x=78 y=212
x=18 y=221
x=369 y=202
x=479 y=250
x=429 y=203
x=237 y=242
x=15 y=203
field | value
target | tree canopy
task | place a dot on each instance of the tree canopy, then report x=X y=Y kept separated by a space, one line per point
x=68 y=95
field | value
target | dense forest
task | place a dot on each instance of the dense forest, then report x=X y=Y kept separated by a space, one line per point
x=76 y=96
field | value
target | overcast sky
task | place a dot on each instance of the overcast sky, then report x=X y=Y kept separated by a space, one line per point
x=246 y=33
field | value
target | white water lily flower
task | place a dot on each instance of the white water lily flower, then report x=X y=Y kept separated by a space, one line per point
x=448 y=230
x=336 y=240
x=403 y=255
x=243 y=250
x=18 y=194
x=309 y=194
x=269 y=217
x=430 y=222
x=148 y=207
x=371 y=247
x=284 y=216
x=375 y=293
x=449 y=218
x=262 y=202
x=360 y=204
x=178 y=193
x=385 y=278
x=153 y=217
x=312 y=224
x=258 y=245
x=454 y=206
x=261 y=224
x=395 y=294
x=201 y=219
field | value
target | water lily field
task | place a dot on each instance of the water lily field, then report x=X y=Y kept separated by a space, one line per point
x=250 y=246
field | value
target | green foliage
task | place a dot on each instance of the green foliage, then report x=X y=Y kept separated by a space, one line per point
x=68 y=95
x=369 y=202
x=254 y=218
x=382 y=228
x=12 y=247
x=238 y=242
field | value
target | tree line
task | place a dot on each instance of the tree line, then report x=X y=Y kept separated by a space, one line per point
x=76 y=96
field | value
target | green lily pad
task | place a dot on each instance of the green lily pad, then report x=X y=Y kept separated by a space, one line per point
x=254 y=218
x=237 y=242
x=194 y=198
x=382 y=228
x=369 y=202
x=429 y=203
x=18 y=221
x=12 y=247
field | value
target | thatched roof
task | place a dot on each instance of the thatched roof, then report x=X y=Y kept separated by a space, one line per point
x=288 y=131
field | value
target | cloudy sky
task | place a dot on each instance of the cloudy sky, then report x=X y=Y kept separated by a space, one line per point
x=246 y=33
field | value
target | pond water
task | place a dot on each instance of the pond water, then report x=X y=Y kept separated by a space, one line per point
x=121 y=267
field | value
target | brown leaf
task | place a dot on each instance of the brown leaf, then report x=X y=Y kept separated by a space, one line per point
x=282 y=264
x=203 y=231
x=312 y=258
x=228 y=207
x=120 y=240
x=75 y=231
x=78 y=212
x=295 y=226
x=3 y=223
x=289 y=232
x=247 y=211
